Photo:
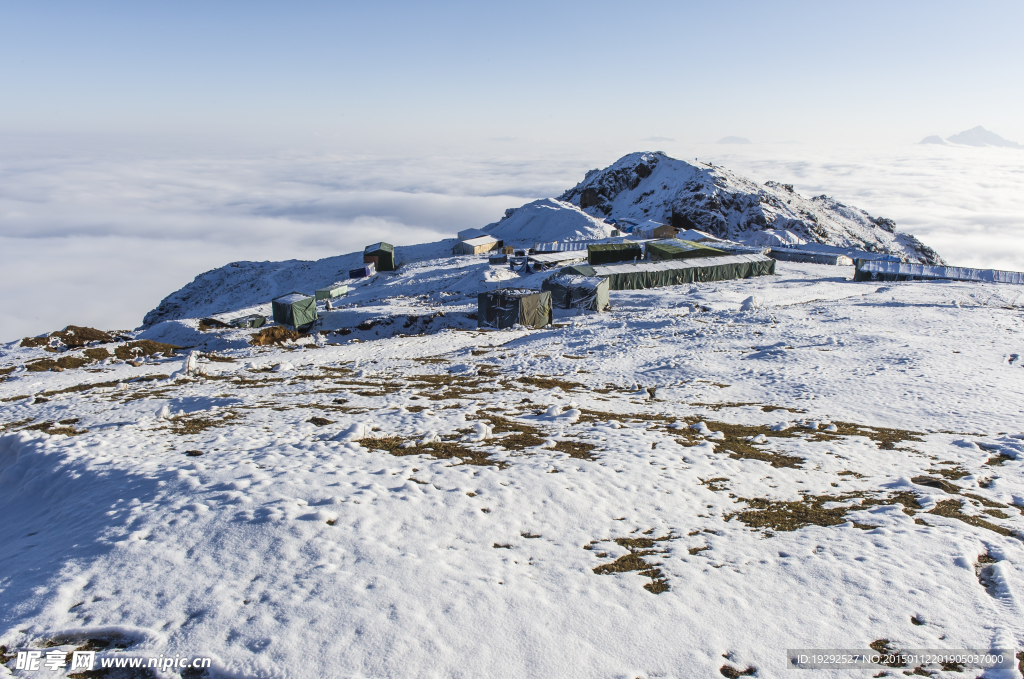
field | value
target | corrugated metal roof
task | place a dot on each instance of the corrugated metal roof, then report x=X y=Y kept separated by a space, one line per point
x=555 y=257
x=481 y=240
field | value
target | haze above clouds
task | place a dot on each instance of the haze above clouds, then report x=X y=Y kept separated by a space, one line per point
x=141 y=145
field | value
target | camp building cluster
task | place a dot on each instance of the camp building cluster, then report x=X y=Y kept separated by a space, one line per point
x=583 y=272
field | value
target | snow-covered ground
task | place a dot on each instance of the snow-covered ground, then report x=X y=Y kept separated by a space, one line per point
x=686 y=486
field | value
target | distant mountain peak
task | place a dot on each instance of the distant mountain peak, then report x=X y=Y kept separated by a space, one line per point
x=933 y=139
x=979 y=136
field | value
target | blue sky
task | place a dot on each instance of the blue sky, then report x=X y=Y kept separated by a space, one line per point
x=374 y=73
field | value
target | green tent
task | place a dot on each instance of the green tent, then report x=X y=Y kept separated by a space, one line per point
x=332 y=291
x=609 y=253
x=294 y=309
x=385 y=254
x=680 y=249
x=577 y=270
x=578 y=292
x=505 y=308
x=677 y=272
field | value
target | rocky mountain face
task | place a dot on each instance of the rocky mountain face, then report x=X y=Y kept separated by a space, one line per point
x=642 y=186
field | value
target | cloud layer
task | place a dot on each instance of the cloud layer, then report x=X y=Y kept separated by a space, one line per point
x=100 y=242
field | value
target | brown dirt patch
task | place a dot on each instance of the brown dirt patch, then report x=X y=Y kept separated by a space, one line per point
x=275 y=334
x=138 y=348
x=64 y=363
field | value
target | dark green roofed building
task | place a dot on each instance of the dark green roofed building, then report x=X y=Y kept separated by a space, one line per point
x=680 y=249
x=385 y=254
x=610 y=253
x=294 y=309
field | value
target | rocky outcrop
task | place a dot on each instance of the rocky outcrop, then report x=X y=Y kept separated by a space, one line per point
x=654 y=186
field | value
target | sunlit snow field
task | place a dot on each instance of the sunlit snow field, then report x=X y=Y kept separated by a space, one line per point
x=686 y=486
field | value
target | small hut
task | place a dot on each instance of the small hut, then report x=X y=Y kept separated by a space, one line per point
x=477 y=246
x=385 y=254
x=505 y=308
x=294 y=309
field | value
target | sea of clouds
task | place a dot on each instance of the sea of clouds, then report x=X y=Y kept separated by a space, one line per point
x=99 y=239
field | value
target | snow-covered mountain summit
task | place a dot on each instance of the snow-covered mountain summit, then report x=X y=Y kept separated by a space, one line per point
x=642 y=186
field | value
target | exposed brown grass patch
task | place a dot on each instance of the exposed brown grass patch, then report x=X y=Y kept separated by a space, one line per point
x=546 y=382
x=442 y=450
x=576 y=449
x=885 y=437
x=785 y=516
x=639 y=548
x=186 y=424
x=953 y=509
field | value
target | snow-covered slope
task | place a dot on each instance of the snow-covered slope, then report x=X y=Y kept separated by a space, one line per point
x=685 y=486
x=643 y=186
x=548 y=219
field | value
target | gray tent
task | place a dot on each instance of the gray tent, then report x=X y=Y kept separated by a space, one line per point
x=578 y=292
x=294 y=309
x=676 y=272
x=385 y=254
x=505 y=308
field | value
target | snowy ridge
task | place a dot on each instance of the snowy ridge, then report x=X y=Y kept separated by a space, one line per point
x=642 y=186
x=548 y=219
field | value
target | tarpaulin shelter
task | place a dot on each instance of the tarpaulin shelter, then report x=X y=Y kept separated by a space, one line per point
x=679 y=249
x=875 y=270
x=577 y=270
x=679 y=271
x=498 y=259
x=385 y=254
x=250 y=321
x=609 y=253
x=549 y=259
x=476 y=246
x=331 y=291
x=363 y=272
x=505 y=308
x=809 y=257
x=578 y=292
x=294 y=309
